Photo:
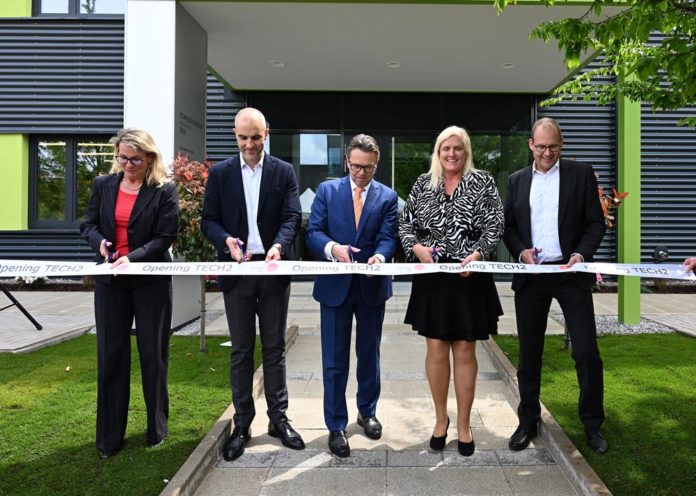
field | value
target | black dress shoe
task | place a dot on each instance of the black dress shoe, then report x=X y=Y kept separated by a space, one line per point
x=104 y=454
x=522 y=437
x=288 y=436
x=596 y=442
x=371 y=426
x=158 y=443
x=234 y=446
x=466 y=449
x=437 y=443
x=338 y=444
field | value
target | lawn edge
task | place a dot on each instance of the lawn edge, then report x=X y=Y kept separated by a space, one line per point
x=570 y=460
x=195 y=469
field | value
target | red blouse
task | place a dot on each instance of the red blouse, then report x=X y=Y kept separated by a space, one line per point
x=124 y=207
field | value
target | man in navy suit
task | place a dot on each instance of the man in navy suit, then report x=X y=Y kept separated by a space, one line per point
x=553 y=215
x=252 y=211
x=353 y=219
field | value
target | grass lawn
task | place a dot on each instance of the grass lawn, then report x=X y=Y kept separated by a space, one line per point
x=48 y=416
x=650 y=405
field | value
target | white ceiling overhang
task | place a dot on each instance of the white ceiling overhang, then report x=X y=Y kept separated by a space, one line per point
x=314 y=46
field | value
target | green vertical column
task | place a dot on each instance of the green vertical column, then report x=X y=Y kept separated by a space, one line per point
x=14 y=171
x=14 y=150
x=628 y=235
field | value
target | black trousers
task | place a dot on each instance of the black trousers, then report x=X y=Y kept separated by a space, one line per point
x=532 y=303
x=115 y=307
x=267 y=297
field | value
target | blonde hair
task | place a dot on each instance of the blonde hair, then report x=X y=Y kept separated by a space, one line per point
x=436 y=177
x=141 y=141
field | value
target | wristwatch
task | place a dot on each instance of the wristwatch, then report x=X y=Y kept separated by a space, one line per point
x=278 y=247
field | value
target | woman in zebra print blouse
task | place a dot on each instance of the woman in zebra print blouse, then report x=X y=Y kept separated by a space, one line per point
x=453 y=214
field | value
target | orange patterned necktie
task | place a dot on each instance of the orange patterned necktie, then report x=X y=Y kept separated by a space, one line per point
x=357 y=204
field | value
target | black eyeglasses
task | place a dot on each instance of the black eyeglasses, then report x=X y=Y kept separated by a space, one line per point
x=357 y=168
x=543 y=148
x=123 y=160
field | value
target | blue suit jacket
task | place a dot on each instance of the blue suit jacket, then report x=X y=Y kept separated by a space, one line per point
x=332 y=219
x=224 y=208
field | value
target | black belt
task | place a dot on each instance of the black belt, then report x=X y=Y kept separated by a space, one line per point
x=257 y=257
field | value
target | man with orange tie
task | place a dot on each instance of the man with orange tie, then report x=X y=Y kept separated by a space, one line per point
x=353 y=219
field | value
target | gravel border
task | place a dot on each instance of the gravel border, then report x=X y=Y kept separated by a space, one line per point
x=609 y=324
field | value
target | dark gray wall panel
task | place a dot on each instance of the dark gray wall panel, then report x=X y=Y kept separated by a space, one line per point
x=668 y=183
x=61 y=76
x=589 y=133
x=222 y=107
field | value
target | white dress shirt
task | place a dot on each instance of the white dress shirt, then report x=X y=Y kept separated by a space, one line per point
x=543 y=212
x=252 y=187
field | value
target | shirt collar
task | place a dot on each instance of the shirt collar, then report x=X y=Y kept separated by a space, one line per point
x=243 y=163
x=353 y=185
x=553 y=167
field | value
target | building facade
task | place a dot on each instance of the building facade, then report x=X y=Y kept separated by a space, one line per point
x=63 y=91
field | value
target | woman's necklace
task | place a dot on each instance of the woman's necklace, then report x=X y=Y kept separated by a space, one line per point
x=131 y=187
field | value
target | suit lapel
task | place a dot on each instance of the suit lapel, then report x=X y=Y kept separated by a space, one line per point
x=235 y=171
x=267 y=173
x=369 y=206
x=110 y=193
x=524 y=219
x=345 y=193
x=564 y=189
x=145 y=196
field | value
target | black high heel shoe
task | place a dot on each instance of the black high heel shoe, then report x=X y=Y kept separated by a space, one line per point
x=466 y=449
x=437 y=443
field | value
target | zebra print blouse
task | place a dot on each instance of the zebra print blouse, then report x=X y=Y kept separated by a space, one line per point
x=468 y=220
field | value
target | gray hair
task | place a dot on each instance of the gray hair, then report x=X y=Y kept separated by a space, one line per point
x=548 y=122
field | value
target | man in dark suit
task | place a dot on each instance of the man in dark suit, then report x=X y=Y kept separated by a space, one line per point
x=353 y=219
x=252 y=211
x=553 y=215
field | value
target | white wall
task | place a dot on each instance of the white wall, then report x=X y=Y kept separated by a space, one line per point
x=165 y=76
x=165 y=86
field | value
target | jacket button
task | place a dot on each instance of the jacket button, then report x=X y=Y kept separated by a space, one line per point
x=131 y=231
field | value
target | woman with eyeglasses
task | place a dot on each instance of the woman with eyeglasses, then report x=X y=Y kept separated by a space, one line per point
x=453 y=215
x=132 y=216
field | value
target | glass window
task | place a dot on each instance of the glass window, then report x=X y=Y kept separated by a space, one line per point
x=51 y=180
x=62 y=174
x=93 y=158
x=316 y=156
x=103 y=7
x=54 y=6
x=81 y=7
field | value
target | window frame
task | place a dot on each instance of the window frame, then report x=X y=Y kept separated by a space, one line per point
x=70 y=220
x=73 y=11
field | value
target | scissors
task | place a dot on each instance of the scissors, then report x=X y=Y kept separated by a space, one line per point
x=245 y=256
x=536 y=254
x=434 y=254
x=350 y=254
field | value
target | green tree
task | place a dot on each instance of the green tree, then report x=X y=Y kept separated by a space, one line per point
x=651 y=41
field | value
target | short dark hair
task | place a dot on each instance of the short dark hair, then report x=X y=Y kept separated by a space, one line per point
x=364 y=143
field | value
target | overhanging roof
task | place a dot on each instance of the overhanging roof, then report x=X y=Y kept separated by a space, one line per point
x=349 y=46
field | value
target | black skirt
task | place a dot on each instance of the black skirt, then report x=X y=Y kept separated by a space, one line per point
x=451 y=307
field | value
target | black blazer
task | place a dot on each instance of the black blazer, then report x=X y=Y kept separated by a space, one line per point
x=224 y=209
x=580 y=219
x=152 y=228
